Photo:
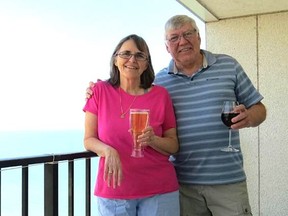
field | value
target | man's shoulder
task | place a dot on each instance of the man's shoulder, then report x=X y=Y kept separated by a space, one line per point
x=161 y=76
x=213 y=57
x=162 y=71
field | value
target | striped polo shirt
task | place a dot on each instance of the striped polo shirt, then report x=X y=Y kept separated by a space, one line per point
x=198 y=103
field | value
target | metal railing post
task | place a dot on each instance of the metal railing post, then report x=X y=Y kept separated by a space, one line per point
x=88 y=187
x=71 y=188
x=0 y=192
x=51 y=189
x=25 y=171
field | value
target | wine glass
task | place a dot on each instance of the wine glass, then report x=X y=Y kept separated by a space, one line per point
x=226 y=116
x=139 y=120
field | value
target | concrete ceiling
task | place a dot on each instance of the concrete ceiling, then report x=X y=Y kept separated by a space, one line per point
x=214 y=10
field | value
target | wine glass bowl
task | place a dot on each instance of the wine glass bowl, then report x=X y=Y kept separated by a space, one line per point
x=227 y=115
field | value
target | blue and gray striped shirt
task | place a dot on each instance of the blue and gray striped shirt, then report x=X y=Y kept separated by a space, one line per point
x=198 y=102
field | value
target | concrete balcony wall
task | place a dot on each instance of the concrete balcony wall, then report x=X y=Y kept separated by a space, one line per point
x=260 y=44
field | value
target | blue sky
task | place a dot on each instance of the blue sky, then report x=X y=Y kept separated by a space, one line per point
x=50 y=50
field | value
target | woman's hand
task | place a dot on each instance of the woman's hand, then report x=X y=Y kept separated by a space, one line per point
x=147 y=137
x=112 y=168
x=167 y=144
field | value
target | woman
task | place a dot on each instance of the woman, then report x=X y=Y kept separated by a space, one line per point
x=126 y=185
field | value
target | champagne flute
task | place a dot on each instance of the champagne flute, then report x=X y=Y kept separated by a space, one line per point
x=139 y=120
x=226 y=116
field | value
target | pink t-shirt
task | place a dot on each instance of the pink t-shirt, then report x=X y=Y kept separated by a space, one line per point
x=142 y=177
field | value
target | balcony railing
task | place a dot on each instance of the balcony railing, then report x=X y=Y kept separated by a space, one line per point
x=51 y=182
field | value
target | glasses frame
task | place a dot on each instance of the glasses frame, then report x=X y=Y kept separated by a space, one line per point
x=186 y=35
x=139 y=56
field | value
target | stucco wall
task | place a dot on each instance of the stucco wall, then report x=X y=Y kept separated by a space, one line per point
x=260 y=44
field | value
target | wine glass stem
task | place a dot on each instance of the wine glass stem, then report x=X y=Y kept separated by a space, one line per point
x=229 y=145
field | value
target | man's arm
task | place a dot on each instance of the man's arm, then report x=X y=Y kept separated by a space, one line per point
x=251 y=117
x=257 y=114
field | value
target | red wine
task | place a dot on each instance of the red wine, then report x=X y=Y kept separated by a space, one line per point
x=226 y=118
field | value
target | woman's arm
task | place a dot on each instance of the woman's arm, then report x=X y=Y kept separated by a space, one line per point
x=112 y=168
x=168 y=144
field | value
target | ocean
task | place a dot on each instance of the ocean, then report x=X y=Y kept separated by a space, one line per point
x=32 y=143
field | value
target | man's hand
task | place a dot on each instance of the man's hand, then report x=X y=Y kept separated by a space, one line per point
x=241 y=120
x=251 y=117
x=89 y=91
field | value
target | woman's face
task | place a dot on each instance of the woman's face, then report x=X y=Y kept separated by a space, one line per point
x=130 y=61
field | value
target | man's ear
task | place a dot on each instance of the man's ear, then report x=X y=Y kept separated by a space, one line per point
x=167 y=48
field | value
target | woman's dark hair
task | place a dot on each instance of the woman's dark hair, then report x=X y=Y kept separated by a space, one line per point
x=147 y=77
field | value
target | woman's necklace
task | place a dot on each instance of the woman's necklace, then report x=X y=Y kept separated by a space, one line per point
x=122 y=112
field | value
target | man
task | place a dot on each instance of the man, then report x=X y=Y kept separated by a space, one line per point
x=212 y=182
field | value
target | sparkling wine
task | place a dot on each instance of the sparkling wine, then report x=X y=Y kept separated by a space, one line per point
x=139 y=121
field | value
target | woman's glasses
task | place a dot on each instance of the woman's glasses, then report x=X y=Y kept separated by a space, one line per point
x=127 y=55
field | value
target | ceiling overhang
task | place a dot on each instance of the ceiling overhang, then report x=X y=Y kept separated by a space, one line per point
x=212 y=10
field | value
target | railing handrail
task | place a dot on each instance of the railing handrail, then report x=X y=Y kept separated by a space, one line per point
x=45 y=158
x=50 y=162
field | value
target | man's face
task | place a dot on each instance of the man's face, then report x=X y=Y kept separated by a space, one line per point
x=183 y=44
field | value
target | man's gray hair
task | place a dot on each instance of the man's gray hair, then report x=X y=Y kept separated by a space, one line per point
x=178 y=21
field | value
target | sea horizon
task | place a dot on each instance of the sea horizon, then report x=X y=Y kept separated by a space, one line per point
x=26 y=143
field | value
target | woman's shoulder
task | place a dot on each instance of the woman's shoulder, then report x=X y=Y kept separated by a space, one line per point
x=160 y=89
x=101 y=84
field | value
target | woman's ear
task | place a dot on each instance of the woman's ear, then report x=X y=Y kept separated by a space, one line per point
x=147 y=64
